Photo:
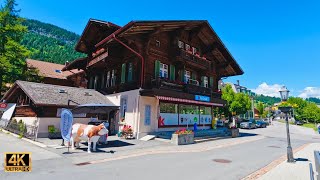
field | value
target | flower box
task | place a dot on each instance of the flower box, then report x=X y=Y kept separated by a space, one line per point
x=182 y=139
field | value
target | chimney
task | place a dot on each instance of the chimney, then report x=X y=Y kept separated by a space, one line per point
x=238 y=82
x=66 y=63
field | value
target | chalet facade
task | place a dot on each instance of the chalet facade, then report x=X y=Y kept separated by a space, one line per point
x=163 y=74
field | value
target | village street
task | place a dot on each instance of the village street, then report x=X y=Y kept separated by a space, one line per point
x=159 y=160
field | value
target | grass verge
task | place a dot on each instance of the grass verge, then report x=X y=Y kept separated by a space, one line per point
x=310 y=125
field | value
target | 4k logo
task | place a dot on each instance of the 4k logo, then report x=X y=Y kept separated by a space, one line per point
x=17 y=162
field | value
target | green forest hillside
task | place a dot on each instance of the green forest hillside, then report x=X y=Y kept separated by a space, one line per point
x=50 y=43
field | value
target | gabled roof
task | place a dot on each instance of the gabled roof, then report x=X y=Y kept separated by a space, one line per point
x=54 y=95
x=94 y=32
x=51 y=70
x=205 y=32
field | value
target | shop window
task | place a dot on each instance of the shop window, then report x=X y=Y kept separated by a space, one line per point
x=163 y=70
x=181 y=44
x=147 y=115
x=205 y=115
x=189 y=109
x=96 y=82
x=168 y=108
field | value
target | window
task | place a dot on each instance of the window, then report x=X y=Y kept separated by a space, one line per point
x=205 y=81
x=194 y=50
x=158 y=43
x=181 y=44
x=130 y=72
x=113 y=77
x=163 y=70
x=91 y=81
x=187 y=75
x=96 y=82
x=147 y=115
x=188 y=48
x=123 y=106
x=108 y=79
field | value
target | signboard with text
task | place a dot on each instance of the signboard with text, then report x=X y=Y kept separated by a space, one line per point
x=202 y=98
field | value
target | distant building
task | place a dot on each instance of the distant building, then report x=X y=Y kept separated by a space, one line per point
x=52 y=74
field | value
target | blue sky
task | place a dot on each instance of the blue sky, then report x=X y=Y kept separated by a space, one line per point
x=275 y=42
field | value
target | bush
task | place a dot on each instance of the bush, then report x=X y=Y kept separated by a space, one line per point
x=52 y=129
x=22 y=128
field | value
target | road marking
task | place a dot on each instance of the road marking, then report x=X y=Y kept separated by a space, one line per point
x=167 y=151
x=273 y=164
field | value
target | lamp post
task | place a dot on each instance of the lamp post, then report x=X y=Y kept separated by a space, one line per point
x=284 y=93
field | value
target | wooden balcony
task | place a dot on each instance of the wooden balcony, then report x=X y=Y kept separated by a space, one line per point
x=194 y=89
x=192 y=59
x=186 y=88
x=121 y=87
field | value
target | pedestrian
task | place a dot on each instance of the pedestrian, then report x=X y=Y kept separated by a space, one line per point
x=318 y=128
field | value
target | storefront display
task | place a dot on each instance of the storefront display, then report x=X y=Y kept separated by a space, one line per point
x=183 y=115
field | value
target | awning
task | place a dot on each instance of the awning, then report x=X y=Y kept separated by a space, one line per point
x=165 y=98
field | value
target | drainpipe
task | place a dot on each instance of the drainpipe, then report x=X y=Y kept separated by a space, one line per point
x=136 y=53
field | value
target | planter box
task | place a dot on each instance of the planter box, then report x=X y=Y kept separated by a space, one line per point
x=182 y=139
x=234 y=133
x=55 y=135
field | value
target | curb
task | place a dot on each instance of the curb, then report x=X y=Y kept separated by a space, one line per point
x=257 y=174
x=25 y=139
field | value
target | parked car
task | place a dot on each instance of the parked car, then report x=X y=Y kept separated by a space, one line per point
x=267 y=121
x=298 y=122
x=251 y=124
x=220 y=123
x=261 y=124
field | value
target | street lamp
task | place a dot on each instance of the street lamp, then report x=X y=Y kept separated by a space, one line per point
x=284 y=93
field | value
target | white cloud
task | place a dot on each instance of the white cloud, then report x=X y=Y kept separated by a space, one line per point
x=268 y=90
x=310 y=92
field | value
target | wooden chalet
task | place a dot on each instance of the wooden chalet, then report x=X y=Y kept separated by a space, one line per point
x=39 y=104
x=169 y=67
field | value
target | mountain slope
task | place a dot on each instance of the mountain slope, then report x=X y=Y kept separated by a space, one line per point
x=50 y=43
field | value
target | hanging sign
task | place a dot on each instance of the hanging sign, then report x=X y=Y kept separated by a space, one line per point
x=66 y=124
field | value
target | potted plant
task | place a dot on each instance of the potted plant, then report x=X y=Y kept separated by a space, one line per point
x=53 y=132
x=127 y=132
x=183 y=136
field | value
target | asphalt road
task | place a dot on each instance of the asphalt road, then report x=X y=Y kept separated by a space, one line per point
x=239 y=160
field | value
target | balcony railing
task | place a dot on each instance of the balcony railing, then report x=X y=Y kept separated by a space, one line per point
x=182 y=87
x=189 y=57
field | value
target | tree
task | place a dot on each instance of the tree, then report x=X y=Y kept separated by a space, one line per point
x=12 y=53
x=260 y=108
x=311 y=112
x=239 y=103
x=298 y=105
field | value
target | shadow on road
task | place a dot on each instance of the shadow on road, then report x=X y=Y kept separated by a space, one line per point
x=242 y=134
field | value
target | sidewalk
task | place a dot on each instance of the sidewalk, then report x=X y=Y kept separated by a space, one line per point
x=293 y=171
